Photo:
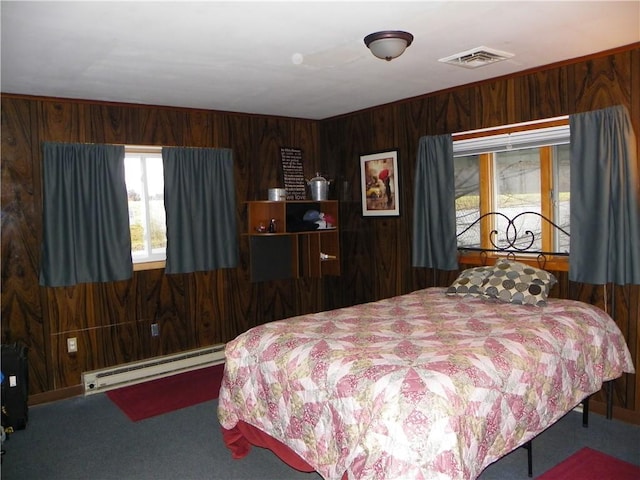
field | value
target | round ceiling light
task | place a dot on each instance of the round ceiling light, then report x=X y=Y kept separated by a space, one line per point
x=388 y=44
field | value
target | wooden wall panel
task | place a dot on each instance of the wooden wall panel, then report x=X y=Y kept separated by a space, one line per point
x=165 y=303
x=633 y=340
x=109 y=124
x=22 y=316
x=602 y=82
x=71 y=308
x=114 y=303
x=357 y=249
x=61 y=121
x=492 y=105
x=387 y=233
x=198 y=129
x=452 y=112
x=546 y=95
x=624 y=305
x=310 y=296
x=97 y=348
x=305 y=133
x=157 y=126
x=236 y=311
x=205 y=309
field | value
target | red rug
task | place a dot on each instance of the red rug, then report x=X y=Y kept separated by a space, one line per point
x=588 y=464
x=163 y=395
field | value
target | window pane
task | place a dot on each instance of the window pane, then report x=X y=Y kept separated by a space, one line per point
x=562 y=196
x=135 y=194
x=155 y=191
x=145 y=188
x=518 y=191
x=467 y=181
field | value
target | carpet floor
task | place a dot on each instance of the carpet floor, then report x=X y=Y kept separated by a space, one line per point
x=89 y=437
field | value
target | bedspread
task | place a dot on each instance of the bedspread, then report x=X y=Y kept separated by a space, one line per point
x=421 y=386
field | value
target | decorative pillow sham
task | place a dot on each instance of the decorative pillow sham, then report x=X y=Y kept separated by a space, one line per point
x=518 y=283
x=470 y=282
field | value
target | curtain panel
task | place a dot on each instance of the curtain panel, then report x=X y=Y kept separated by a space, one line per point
x=200 y=204
x=605 y=203
x=434 y=210
x=86 y=234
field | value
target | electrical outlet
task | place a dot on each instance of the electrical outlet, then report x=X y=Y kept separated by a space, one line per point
x=72 y=345
x=155 y=330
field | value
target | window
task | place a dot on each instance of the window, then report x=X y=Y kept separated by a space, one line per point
x=524 y=168
x=145 y=191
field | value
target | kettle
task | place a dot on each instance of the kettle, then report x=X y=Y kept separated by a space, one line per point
x=319 y=187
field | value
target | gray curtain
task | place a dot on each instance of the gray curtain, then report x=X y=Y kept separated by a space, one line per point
x=605 y=203
x=86 y=234
x=200 y=204
x=434 y=210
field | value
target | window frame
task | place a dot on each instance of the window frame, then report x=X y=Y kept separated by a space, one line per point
x=152 y=261
x=491 y=140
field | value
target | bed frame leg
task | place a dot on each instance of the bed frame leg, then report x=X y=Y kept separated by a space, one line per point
x=585 y=412
x=529 y=447
x=609 y=399
x=585 y=404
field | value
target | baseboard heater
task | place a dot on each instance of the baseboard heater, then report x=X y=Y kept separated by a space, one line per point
x=109 y=378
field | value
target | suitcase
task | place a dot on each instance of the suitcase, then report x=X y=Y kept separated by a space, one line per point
x=15 y=386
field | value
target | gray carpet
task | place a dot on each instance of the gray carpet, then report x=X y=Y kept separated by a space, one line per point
x=90 y=438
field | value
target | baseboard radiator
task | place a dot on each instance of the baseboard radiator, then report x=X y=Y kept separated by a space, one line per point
x=109 y=378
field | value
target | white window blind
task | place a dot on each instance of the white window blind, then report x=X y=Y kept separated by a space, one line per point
x=557 y=135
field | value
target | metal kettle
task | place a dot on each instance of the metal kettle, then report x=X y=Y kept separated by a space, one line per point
x=319 y=187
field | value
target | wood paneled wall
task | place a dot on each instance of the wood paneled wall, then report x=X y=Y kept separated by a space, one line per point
x=379 y=250
x=112 y=321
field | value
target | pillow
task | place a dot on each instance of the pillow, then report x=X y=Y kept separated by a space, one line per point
x=518 y=283
x=471 y=282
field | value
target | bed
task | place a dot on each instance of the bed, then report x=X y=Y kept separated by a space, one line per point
x=429 y=385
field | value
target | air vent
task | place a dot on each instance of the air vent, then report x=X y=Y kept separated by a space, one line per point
x=476 y=57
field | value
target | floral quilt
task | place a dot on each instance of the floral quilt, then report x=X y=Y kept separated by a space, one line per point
x=420 y=386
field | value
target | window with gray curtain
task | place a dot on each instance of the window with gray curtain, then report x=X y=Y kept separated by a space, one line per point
x=605 y=204
x=434 y=212
x=200 y=204
x=85 y=216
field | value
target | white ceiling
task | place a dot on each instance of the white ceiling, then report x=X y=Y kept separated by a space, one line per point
x=239 y=56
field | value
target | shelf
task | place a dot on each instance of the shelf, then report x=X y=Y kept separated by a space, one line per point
x=301 y=256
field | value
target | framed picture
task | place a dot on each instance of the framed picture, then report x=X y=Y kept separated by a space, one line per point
x=379 y=184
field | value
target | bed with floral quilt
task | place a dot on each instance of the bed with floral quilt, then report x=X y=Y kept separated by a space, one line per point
x=426 y=385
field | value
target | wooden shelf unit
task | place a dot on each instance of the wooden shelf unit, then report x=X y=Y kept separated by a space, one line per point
x=305 y=253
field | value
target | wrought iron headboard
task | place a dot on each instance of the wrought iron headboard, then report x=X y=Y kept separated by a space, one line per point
x=511 y=237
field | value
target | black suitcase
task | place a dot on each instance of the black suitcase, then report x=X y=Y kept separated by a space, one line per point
x=15 y=387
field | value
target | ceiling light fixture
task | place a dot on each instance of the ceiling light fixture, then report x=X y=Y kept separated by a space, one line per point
x=388 y=44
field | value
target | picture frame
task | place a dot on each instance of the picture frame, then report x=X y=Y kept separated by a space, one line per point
x=379 y=184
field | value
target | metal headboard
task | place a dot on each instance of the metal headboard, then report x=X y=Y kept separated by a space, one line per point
x=511 y=236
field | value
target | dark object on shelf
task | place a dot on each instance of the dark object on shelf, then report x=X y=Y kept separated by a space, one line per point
x=271 y=258
x=296 y=221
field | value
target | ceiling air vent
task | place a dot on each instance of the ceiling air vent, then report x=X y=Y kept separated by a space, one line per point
x=476 y=57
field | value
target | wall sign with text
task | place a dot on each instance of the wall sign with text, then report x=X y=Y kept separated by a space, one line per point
x=294 y=182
